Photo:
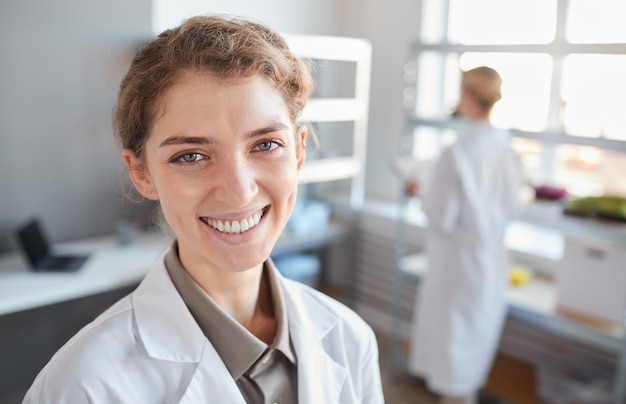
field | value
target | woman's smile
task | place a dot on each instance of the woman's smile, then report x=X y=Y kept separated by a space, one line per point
x=234 y=226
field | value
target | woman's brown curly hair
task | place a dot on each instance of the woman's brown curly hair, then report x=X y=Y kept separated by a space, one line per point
x=229 y=48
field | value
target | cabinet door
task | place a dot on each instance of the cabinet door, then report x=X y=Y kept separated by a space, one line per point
x=591 y=280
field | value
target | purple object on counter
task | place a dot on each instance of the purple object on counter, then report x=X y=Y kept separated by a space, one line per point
x=550 y=192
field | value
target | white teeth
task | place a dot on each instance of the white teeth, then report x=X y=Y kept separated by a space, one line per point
x=235 y=226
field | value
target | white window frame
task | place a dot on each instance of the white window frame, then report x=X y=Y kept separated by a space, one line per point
x=559 y=48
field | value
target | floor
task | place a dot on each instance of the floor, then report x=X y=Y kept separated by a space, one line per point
x=402 y=389
x=405 y=389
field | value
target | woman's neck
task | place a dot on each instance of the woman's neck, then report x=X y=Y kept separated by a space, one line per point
x=246 y=296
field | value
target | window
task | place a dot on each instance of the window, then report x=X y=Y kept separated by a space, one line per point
x=594 y=95
x=593 y=21
x=564 y=84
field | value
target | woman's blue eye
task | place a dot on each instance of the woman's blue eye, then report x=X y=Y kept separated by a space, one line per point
x=266 y=146
x=189 y=157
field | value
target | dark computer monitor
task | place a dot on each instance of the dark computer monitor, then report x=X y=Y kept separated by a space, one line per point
x=36 y=248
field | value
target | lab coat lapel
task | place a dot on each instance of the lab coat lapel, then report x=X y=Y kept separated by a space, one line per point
x=169 y=332
x=166 y=327
x=212 y=382
x=320 y=378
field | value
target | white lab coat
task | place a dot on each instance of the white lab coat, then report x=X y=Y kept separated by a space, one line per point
x=147 y=348
x=460 y=306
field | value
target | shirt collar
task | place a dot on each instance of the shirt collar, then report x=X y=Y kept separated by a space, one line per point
x=282 y=340
x=238 y=348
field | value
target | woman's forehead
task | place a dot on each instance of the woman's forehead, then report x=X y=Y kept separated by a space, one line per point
x=204 y=102
x=200 y=83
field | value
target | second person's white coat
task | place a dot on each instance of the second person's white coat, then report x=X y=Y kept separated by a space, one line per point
x=461 y=307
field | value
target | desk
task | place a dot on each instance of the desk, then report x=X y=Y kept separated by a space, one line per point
x=110 y=266
x=40 y=311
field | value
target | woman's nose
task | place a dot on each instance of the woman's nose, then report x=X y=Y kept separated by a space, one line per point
x=236 y=185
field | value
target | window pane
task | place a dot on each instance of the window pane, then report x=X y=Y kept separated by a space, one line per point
x=526 y=79
x=437 y=84
x=596 y=21
x=433 y=21
x=498 y=22
x=594 y=94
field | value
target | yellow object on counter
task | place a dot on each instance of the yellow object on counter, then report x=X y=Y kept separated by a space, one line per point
x=519 y=275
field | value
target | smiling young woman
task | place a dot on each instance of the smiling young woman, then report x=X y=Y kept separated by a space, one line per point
x=206 y=120
x=221 y=153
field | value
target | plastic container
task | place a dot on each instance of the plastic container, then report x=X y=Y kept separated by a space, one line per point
x=303 y=268
x=308 y=216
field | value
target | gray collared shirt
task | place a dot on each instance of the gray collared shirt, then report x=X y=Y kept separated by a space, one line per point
x=264 y=374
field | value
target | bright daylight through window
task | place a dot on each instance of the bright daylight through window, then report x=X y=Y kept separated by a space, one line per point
x=564 y=86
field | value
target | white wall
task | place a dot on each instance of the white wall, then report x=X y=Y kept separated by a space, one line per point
x=322 y=17
x=390 y=26
x=60 y=64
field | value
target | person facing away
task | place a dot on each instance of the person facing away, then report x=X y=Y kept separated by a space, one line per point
x=206 y=119
x=460 y=305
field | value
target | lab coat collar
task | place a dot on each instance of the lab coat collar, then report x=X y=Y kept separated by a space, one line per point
x=320 y=378
x=167 y=329
x=169 y=332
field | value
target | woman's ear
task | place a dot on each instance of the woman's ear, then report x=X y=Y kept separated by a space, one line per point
x=301 y=135
x=139 y=175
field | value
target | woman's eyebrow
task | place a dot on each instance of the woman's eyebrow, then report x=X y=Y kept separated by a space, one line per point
x=177 y=140
x=274 y=127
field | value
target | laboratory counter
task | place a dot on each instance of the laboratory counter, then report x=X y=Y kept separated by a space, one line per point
x=577 y=277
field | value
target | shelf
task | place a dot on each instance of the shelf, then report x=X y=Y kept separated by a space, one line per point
x=289 y=242
x=329 y=169
x=546 y=136
x=330 y=105
x=550 y=215
x=534 y=302
x=329 y=47
x=333 y=110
